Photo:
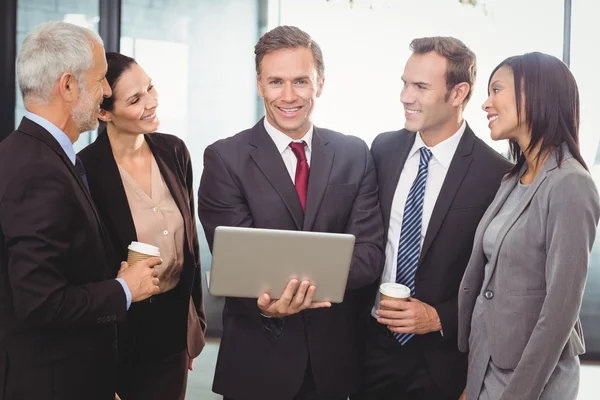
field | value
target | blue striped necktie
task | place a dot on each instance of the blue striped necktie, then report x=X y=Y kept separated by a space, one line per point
x=410 y=237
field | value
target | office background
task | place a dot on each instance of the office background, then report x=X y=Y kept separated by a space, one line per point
x=200 y=56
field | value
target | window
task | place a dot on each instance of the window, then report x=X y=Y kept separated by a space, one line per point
x=31 y=13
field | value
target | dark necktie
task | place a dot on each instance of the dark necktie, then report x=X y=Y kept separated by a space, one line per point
x=302 y=170
x=81 y=171
x=410 y=236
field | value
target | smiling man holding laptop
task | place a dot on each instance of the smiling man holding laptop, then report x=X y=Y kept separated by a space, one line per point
x=287 y=174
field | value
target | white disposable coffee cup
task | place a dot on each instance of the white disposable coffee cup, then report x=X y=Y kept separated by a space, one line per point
x=393 y=291
x=138 y=251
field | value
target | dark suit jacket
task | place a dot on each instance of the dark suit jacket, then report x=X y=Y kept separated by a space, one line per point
x=173 y=159
x=471 y=183
x=58 y=303
x=245 y=183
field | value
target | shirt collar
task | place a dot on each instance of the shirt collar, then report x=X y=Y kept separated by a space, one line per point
x=443 y=152
x=61 y=137
x=282 y=141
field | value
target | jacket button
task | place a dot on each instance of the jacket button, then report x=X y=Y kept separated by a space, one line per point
x=489 y=294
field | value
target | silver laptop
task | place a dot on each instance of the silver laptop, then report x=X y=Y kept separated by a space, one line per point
x=248 y=262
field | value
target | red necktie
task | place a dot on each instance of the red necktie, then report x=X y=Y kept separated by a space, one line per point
x=302 y=170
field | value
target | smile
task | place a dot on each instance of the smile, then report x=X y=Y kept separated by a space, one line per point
x=149 y=117
x=289 y=110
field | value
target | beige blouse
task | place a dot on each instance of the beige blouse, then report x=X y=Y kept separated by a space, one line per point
x=158 y=222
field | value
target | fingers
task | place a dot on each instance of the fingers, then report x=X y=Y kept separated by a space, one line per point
x=151 y=262
x=396 y=322
x=290 y=289
x=398 y=305
x=404 y=329
x=303 y=295
x=320 y=304
x=263 y=301
x=156 y=290
x=308 y=299
x=391 y=314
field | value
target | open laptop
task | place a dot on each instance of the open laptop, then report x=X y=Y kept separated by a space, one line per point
x=248 y=262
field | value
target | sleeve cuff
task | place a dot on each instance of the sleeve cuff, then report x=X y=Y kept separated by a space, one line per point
x=126 y=290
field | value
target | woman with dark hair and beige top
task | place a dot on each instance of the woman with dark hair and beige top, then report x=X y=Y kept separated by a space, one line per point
x=141 y=182
x=520 y=297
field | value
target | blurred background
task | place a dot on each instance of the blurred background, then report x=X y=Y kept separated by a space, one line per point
x=200 y=56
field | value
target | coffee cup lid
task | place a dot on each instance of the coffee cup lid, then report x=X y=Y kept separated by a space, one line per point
x=396 y=290
x=144 y=248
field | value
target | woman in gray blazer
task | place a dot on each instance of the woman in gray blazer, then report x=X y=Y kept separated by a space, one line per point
x=520 y=296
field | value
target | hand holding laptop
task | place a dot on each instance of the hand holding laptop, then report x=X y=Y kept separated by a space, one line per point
x=296 y=297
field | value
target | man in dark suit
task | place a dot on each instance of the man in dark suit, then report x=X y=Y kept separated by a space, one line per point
x=58 y=303
x=436 y=180
x=284 y=173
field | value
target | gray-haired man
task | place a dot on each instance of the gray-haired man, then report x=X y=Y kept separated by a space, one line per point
x=58 y=303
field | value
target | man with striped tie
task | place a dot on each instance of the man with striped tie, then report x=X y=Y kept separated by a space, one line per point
x=436 y=179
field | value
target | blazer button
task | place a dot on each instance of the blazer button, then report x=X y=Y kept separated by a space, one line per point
x=489 y=294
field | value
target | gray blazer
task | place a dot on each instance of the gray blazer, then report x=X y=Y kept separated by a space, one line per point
x=538 y=270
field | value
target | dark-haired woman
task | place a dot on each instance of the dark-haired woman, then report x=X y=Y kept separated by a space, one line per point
x=520 y=296
x=141 y=182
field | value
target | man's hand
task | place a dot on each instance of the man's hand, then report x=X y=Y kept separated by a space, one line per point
x=295 y=298
x=141 y=278
x=411 y=316
x=463 y=396
x=191 y=364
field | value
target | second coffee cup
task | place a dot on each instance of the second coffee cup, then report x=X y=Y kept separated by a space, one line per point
x=393 y=291
x=138 y=251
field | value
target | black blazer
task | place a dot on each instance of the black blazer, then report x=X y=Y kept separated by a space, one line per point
x=108 y=192
x=245 y=183
x=471 y=183
x=58 y=303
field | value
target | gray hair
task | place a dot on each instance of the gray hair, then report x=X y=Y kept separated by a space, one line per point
x=288 y=37
x=52 y=49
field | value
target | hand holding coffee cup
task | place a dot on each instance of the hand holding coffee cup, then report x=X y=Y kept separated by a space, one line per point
x=139 y=273
x=393 y=291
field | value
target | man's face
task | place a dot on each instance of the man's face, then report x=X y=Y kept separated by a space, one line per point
x=424 y=93
x=92 y=89
x=289 y=85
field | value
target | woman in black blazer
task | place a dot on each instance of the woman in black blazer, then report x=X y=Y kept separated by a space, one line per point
x=141 y=183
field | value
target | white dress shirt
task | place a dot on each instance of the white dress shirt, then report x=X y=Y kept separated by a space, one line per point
x=282 y=141
x=438 y=168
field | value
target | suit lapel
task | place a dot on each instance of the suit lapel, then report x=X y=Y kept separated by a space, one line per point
x=523 y=203
x=475 y=268
x=104 y=173
x=31 y=128
x=456 y=172
x=269 y=161
x=321 y=161
x=393 y=163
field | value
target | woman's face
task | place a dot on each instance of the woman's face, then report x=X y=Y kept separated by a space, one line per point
x=501 y=106
x=135 y=103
